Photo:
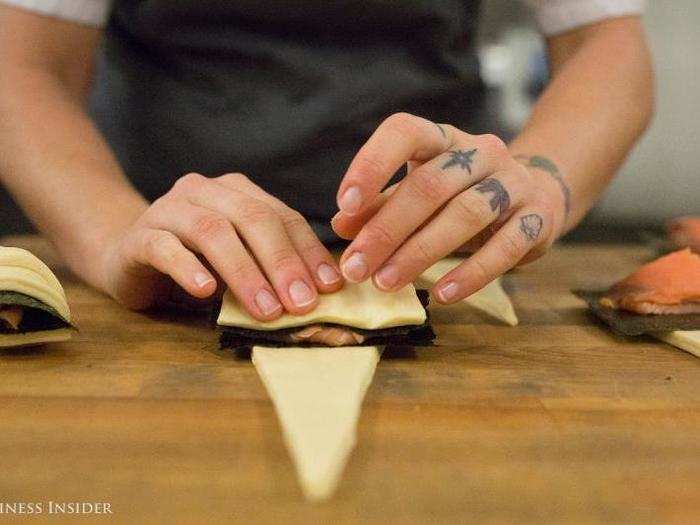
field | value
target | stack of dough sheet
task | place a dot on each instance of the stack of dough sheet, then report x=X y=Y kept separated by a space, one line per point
x=688 y=340
x=364 y=315
x=33 y=305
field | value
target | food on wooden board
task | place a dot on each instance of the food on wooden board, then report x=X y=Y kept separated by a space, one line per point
x=359 y=314
x=668 y=285
x=317 y=394
x=684 y=232
x=33 y=305
x=491 y=299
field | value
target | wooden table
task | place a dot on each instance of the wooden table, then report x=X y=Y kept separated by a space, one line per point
x=556 y=420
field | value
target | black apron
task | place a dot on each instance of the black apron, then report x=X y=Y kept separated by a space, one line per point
x=283 y=91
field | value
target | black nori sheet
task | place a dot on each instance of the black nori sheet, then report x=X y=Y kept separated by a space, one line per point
x=630 y=323
x=407 y=335
x=37 y=315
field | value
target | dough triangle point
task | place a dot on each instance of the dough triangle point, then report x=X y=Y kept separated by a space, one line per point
x=491 y=299
x=317 y=394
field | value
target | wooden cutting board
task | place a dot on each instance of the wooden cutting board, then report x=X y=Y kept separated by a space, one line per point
x=553 y=420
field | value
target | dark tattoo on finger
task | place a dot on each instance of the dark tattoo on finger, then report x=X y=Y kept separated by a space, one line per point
x=461 y=158
x=442 y=130
x=546 y=165
x=500 y=200
x=531 y=225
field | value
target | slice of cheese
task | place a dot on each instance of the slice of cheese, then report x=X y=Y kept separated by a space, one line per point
x=491 y=299
x=317 y=394
x=357 y=305
x=688 y=340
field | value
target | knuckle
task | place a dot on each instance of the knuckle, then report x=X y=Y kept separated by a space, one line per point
x=380 y=234
x=283 y=258
x=511 y=248
x=255 y=211
x=189 y=181
x=467 y=211
x=210 y=225
x=294 y=220
x=403 y=123
x=427 y=184
x=424 y=249
x=234 y=178
x=493 y=144
x=159 y=244
x=479 y=270
x=371 y=167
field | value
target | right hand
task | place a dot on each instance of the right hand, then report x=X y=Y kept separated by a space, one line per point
x=264 y=251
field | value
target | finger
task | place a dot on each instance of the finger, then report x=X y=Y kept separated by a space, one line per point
x=502 y=252
x=319 y=261
x=265 y=235
x=421 y=194
x=348 y=226
x=397 y=140
x=464 y=218
x=215 y=238
x=164 y=252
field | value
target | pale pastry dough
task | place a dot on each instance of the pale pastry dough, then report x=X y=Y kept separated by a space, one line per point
x=357 y=305
x=491 y=299
x=688 y=340
x=33 y=338
x=317 y=393
x=22 y=272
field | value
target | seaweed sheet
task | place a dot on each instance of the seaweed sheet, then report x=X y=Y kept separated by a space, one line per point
x=408 y=335
x=632 y=324
x=37 y=315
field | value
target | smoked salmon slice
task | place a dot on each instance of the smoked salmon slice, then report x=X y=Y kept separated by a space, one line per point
x=684 y=232
x=668 y=285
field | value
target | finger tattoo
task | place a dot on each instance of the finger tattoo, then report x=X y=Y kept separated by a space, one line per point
x=441 y=130
x=500 y=200
x=546 y=165
x=531 y=225
x=461 y=158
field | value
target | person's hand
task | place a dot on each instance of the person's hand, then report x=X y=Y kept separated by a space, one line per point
x=461 y=192
x=264 y=251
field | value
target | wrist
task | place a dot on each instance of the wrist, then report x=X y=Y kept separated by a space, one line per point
x=87 y=247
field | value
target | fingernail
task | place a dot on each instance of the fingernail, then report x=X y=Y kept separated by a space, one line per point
x=202 y=279
x=327 y=274
x=355 y=268
x=351 y=201
x=300 y=293
x=387 y=277
x=448 y=292
x=267 y=303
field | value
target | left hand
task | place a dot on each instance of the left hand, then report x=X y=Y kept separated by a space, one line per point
x=461 y=192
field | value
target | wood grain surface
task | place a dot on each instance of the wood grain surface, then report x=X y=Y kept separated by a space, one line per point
x=556 y=420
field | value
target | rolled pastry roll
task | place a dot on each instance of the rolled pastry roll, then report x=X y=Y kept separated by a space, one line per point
x=359 y=314
x=33 y=305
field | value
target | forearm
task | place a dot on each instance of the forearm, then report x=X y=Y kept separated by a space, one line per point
x=59 y=169
x=598 y=103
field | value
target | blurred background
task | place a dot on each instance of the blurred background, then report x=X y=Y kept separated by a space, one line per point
x=662 y=176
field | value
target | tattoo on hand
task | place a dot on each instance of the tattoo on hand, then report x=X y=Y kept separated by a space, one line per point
x=546 y=165
x=441 y=130
x=461 y=158
x=531 y=225
x=500 y=200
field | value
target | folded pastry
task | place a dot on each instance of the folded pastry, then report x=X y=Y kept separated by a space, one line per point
x=359 y=314
x=33 y=305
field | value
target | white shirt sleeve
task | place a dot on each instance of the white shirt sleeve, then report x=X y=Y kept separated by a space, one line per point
x=558 y=16
x=87 y=12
